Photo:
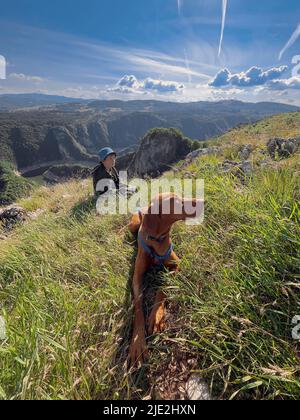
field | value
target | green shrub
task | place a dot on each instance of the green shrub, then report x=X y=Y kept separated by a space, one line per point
x=12 y=186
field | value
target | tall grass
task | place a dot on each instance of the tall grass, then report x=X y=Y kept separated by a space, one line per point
x=239 y=287
x=65 y=293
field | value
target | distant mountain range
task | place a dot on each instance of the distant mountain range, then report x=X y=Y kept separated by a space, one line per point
x=10 y=102
x=37 y=129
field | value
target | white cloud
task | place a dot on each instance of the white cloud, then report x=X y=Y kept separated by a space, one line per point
x=282 y=84
x=88 y=62
x=25 y=78
x=162 y=86
x=154 y=63
x=255 y=76
x=130 y=84
x=126 y=90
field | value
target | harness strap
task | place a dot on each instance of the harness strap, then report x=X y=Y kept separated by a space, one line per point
x=160 y=258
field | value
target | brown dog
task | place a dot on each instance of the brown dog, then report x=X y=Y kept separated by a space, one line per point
x=153 y=226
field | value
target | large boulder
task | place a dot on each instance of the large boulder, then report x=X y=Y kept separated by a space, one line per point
x=283 y=148
x=159 y=150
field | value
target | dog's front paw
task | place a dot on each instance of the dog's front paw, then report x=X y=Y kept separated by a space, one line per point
x=156 y=323
x=138 y=352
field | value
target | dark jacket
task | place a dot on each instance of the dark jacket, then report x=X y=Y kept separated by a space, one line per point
x=99 y=173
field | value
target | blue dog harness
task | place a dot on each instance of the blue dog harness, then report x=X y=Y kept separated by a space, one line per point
x=159 y=258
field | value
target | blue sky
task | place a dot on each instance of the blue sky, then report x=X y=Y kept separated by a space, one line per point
x=163 y=49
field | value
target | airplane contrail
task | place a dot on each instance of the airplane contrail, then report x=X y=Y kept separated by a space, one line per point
x=290 y=42
x=187 y=65
x=224 y=12
x=179 y=6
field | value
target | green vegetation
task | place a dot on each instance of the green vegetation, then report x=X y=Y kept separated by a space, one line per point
x=238 y=290
x=12 y=186
x=65 y=289
x=72 y=132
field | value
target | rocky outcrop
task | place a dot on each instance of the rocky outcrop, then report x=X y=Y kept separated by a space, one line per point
x=244 y=153
x=237 y=168
x=203 y=152
x=242 y=170
x=159 y=149
x=283 y=148
x=10 y=216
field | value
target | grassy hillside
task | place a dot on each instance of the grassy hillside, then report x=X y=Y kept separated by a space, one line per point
x=283 y=126
x=65 y=290
x=12 y=186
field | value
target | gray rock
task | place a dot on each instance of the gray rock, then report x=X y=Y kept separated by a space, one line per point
x=203 y=152
x=283 y=148
x=240 y=169
x=10 y=216
x=247 y=167
x=246 y=151
x=227 y=165
x=158 y=151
